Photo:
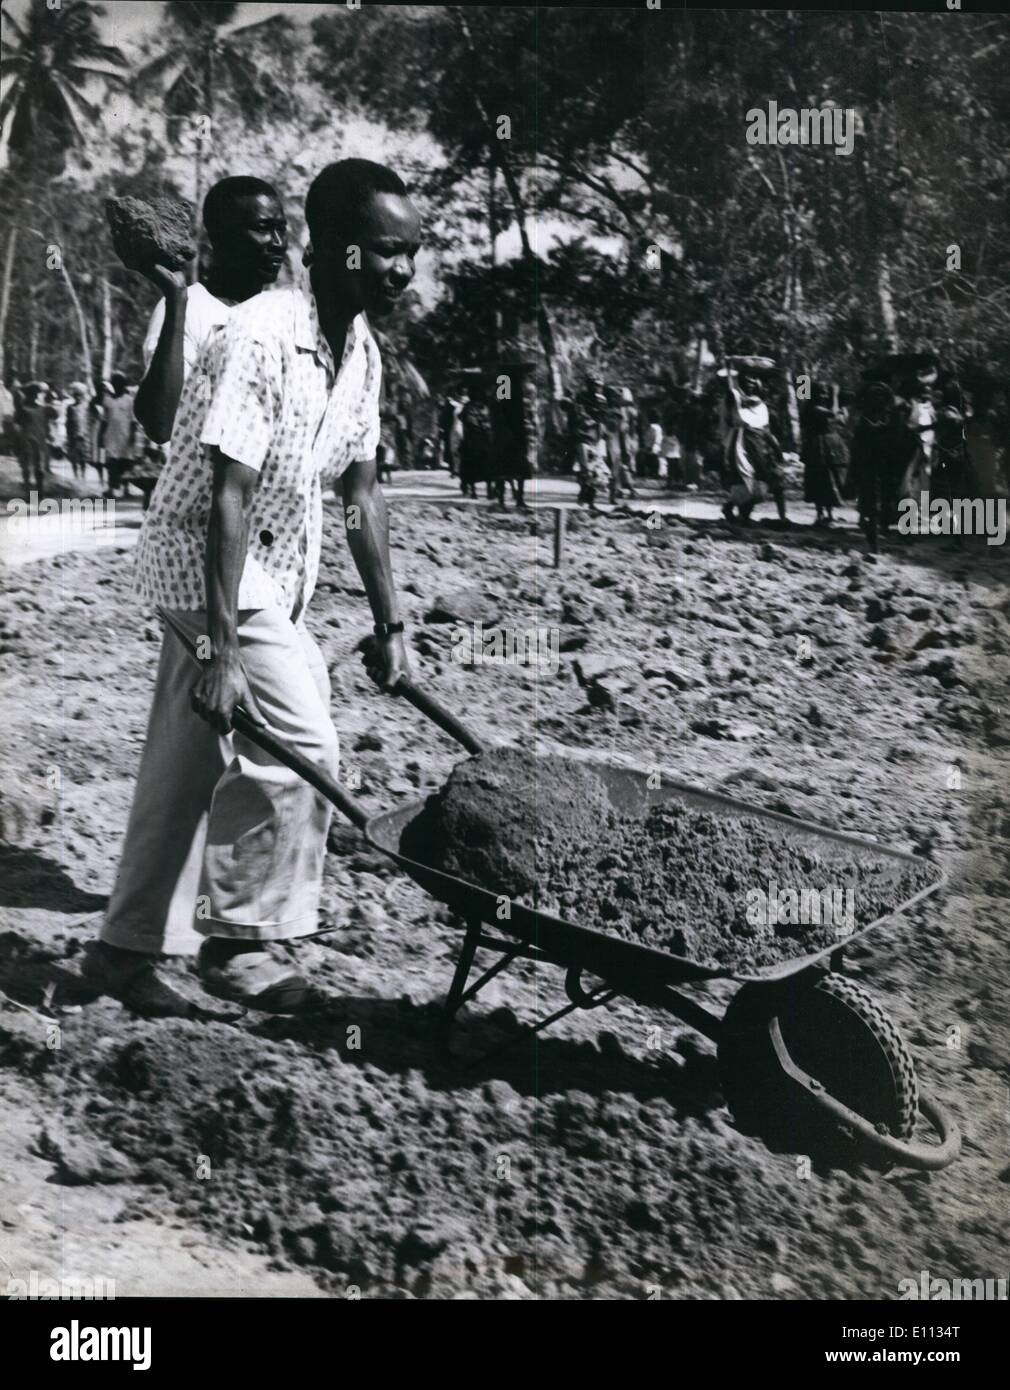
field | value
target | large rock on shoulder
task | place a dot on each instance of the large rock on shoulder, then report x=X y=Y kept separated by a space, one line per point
x=151 y=231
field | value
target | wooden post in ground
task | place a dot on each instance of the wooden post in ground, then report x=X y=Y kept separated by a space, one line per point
x=559 y=536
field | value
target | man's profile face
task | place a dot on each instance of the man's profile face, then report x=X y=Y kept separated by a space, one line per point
x=388 y=236
x=254 y=238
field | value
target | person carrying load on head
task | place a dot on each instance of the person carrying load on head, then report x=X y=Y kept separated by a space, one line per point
x=752 y=454
x=918 y=413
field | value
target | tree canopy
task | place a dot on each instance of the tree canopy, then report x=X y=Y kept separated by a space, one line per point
x=585 y=175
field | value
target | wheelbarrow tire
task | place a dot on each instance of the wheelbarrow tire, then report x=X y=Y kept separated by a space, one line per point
x=835 y=1031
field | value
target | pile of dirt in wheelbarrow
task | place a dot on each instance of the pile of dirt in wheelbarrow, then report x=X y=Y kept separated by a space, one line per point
x=503 y=820
x=728 y=890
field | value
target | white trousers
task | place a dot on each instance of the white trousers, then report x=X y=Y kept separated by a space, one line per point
x=222 y=840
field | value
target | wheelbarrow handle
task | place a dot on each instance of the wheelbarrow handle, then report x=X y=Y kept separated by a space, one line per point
x=323 y=783
x=445 y=719
x=259 y=734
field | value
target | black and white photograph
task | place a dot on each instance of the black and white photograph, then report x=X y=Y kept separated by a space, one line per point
x=504 y=655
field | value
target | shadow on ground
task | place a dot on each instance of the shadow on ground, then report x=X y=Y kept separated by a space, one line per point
x=30 y=879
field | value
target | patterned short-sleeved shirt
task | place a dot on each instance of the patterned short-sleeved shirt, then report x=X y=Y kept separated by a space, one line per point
x=266 y=393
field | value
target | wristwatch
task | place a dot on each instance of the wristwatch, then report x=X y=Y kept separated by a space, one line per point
x=383 y=630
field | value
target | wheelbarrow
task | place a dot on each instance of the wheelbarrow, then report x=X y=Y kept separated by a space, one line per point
x=799 y=1044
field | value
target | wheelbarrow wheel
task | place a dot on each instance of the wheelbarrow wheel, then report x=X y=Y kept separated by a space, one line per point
x=836 y=1032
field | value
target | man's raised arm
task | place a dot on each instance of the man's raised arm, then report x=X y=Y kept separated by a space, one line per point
x=732 y=387
x=158 y=395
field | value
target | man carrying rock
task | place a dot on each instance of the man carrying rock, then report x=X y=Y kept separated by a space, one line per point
x=248 y=234
x=221 y=837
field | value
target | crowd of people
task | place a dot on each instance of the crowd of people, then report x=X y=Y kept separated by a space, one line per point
x=481 y=438
x=91 y=425
x=909 y=427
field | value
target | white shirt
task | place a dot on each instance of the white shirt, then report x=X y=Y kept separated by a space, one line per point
x=267 y=394
x=203 y=313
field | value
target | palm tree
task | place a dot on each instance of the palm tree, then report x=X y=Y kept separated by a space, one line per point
x=204 y=62
x=54 y=55
x=50 y=56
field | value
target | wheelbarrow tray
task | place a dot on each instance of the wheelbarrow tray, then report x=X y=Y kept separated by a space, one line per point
x=606 y=954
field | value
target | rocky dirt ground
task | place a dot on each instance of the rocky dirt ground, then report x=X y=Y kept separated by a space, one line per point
x=348 y=1152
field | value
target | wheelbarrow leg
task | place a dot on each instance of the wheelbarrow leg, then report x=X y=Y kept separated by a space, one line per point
x=457 y=989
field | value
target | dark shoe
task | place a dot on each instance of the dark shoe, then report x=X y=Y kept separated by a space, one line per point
x=246 y=972
x=133 y=979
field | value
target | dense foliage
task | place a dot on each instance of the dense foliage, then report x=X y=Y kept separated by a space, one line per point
x=605 y=150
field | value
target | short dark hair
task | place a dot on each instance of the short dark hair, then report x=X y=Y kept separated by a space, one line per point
x=223 y=195
x=337 y=196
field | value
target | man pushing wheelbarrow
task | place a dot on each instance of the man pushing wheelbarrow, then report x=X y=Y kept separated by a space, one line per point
x=222 y=837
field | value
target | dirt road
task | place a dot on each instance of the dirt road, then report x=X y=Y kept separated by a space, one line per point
x=347 y=1152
